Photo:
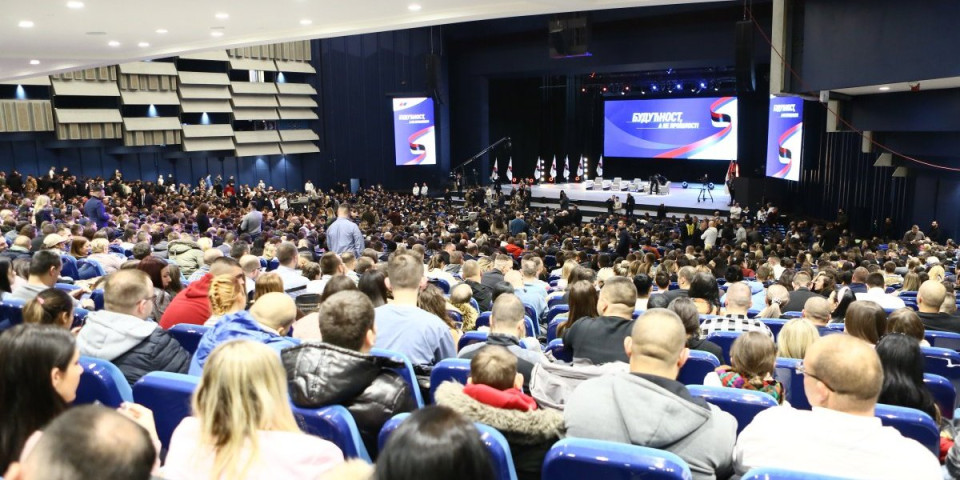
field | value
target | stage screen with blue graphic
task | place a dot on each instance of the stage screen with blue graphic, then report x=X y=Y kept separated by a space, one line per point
x=691 y=128
x=785 y=138
x=414 y=131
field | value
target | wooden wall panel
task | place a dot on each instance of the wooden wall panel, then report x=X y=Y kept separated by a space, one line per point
x=26 y=116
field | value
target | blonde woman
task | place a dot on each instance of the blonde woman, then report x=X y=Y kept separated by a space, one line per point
x=777 y=296
x=795 y=337
x=226 y=296
x=100 y=252
x=242 y=426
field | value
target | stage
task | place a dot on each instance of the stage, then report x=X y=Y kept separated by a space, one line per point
x=678 y=200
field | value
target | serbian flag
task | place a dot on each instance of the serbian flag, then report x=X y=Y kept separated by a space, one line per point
x=600 y=167
x=510 y=169
x=494 y=175
x=553 y=168
x=538 y=169
x=566 y=168
x=580 y=166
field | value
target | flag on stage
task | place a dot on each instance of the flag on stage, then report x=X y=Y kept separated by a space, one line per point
x=537 y=169
x=566 y=168
x=553 y=169
x=510 y=169
x=600 y=167
x=495 y=175
x=580 y=166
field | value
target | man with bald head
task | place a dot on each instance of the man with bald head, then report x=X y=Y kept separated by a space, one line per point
x=817 y=310
x=737 y=301
x=649 y=407
x=268 y=321
x=929 y=299
x=840 y=436
x=600 y=339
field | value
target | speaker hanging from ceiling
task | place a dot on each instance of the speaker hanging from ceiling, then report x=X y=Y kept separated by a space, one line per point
x=746 y=72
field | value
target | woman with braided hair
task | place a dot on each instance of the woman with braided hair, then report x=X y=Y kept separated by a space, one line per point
x=226 y=296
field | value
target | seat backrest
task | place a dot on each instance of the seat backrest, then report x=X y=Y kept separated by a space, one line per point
x=911 y=423
x=335 y=424
x=483 y=320
x=456 y=316
x=442 y=284
x=469 y=338
x=101 y=381
x=786 y=373
x=69 y=267
x=698 y=365
x=496 y=444
x=168 y=396
x=742 y=404
x=449 y=369
x=780 y=474
x=943 y=339
x=97 y=297
x=533 y=328
x=554 y=325
x=939 y=361
x=793 y=314
x=11 y=313
x=775 y=324
x=273 y=265
x=88 y=269
x=188 y=335
x=555 y=310
x=943 y=393
x=308 y=302
x=725 y=341
x=406 y=371
x=580 y=458
x=555 y=347
x=529 y=311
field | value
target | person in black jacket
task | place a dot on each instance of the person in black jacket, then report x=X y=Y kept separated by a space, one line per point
x=122 y=333
x=483 y=294
x=340 y=370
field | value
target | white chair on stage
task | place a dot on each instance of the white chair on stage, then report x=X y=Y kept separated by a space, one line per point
x=617 y=184
x=605 y=184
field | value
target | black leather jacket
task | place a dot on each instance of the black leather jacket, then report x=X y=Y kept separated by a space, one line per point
x=321 y=374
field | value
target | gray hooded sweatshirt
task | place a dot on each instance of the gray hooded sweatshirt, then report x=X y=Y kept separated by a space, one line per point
x=654 y=412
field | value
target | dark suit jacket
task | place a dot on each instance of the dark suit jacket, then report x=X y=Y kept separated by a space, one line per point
x=942 y=322
x=661 y=300
x=798 y=298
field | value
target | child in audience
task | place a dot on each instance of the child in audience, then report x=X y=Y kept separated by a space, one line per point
x=50 y=307
x=493 y=396
x=753 y=356
x=794 y=338
x=242 y=426
x=460 y=299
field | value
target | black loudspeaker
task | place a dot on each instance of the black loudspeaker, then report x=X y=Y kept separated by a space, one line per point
x=433 y=74
x=746 y=73
x=569 y=35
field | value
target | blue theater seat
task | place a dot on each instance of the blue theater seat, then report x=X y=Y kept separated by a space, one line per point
x=484 y=321
x=580 y=458
x=555 y=347
x=405 y=371
x=97 y=297
x=943 y=393
x=335 y=424
x=793 y=314
x=775 y=324
x=496 y=445
x=698 y=365
x=742 y=404
x=449 y=369
x=786 y=373
x=911 y=423
x=554 y=325
x=168 y=396
x=780 y=474
x=938 y=361
x=469 y=338
x=943 y=339
x=188 y=335
x=555 y=310
x=273 y=265
x=725 y=341
x=555 y=300
x=456 y=316
x=442 y=284
x=101 y=381
x=11 y=313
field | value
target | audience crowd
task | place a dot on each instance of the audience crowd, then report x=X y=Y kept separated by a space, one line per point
x=296 y=296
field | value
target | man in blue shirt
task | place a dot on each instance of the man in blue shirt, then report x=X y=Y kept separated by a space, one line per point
x=94 y=209
x=403 y=327
x=518 y=225
x=344 y=235
x=526 y=286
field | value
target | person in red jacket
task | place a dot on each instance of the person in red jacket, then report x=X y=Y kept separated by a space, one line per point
x=192 y=304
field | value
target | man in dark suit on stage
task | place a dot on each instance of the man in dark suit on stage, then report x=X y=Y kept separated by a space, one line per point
x=630 y=205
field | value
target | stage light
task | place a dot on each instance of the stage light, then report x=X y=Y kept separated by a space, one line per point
x=604 y=89
x=643 y=92
x=623 y=93
x=152 y=111
x=684 y=185
x=204 y=119
x=21 y=93
x=627 y=88
x=584 y=89
x=716 y=89
x=710 y=186
x=679 y=86
x=703 y=85
x=281 y=78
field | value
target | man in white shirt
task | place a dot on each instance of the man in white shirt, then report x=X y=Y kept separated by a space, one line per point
x=840 y=437
x=294 y=284
x=709 y=236
x=774 y=262
x=876 y=292
x=416 y=189
x=309 y=188
x=423 y=189
x=735 y=212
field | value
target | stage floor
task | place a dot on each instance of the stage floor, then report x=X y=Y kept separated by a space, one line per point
x=679 y=198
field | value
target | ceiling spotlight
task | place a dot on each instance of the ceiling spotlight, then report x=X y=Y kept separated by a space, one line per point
x=222 y=16
x=604 y=89
x=884 y=88
x=216 y=33
x=679 y=86
x=703 y=85
x=716 y=89
x=161 y=31
x=305 y=22
x=74 y=5
x=113 y=43
x=627 y=88
x=34 y=62
x=653 y=87
x=584 y=89
x=414 y=7
x=643 y=92
x=25 y=24
x=143 y=44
